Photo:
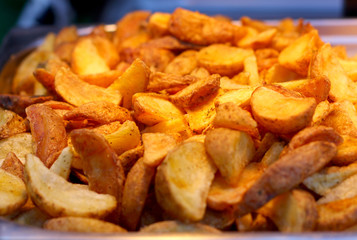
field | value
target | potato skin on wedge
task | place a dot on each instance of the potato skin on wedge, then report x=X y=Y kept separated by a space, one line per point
x=286 y=173
x=182 y=181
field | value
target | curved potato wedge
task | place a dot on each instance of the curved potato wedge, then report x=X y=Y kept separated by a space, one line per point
x=279 y=113
x=13 y=193
x=57 y=197
x=19 y=144
x=10 y=124
x=13 y=165
x=81 y=224
x=286 y=173
x=183 y=180
x=176 y=227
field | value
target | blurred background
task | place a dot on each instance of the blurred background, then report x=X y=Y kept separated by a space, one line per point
x=33 y=15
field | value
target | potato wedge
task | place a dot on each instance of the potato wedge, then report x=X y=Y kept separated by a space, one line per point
x=286 y=173
x=10 y=124
x=135 y=193
x=133 y=80
x=32 y=217
x=106 y=50
x=279 y=113
x=12 y=192
x=77 y=92
x=151 y=109
x=259 y=40
x=158 y=24
x=268 y=140
x=57 y=197
x=104 y=79
x=230 y=115
x=170 y=82
x=81 y=224
x=222 y=220
x=254 y=223
x=322 y=110
x=19 y=144
x=178 y=125
x=62 y=165
x=273 y=154
x=222 y=59
x=100 y=112
x=13 y=165
x=231 y=151
x=297 y=56
x=294 y=211
x=183 y=64
x=277 y=73
x=178 y=189
x=48 y=132
x=105 y=174
x=178 y=227
x=157 y=145
x=197 y=93
x=200 y=29
x=346 y=152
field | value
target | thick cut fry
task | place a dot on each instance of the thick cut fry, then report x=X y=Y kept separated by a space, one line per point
x=57 y=197
x=125 y=138
x=183 y=64
x=197 y=93
x=86 y=58
x=81 y=224
x=170 y=82
x=77 y=92
x=297 y=55
x=48 y=132
x=273 y=153
x=230 y=115
x=151 y=109
x=134 y=79
x=279 y=113
x=322 y=110
x=12 y=192
x=231 y=151
x=338 y=215
x=157 y=145
x=222 y=59
x=286 y=173
x=105 y=174
x=178 y=227
x=294 y=211
x=10 y=124
x=323 y=181
x=200 y=29
x=183 y=180
x=135 y=192
x=250 y=66
x=13 y=165
x=19 y=144
x=223 y=196
x=100 y=112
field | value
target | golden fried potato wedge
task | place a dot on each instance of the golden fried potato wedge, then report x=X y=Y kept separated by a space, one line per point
x=183 y=180
x=297 y=55
x=158 y=24
x=104 y=79
x=342 y=118
x=183 y=64
x=277 y=73
x=322 y=181
x=157 y=145
x=223 y=196
x=197 y=93
x=350 y=68
x=322 y=110
x=259 y=40
x=13 y=165
x=178 y=227
x=337 y=215
x=222 y=59
x=135 y=193
x=273 y=153
x=222 y=220
x=287 y=172
x=279 y=113
x=326 y=63
x=153 y=108
x=230 y=115
x=346 y=152
x=200 y=29
x=129 y=158
x=254 y=222
x=251 y=67
x=99 y=112
x=10 y=124
x=240 y=96
x=81 y=224
x=67 y=34
x=260 y=26
x=57 y=197
x=134 y=79
x=48 y=132
x=170 y=82
x=177 y=125
x=20 y=144
x=294 y=211
x=86 y=58
x=268 y=140
x=125 y=138
x=231 y=151
x=105 y=174
x=12 y=192
x=106 y=50
x=62 y=165
x=77 y=92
